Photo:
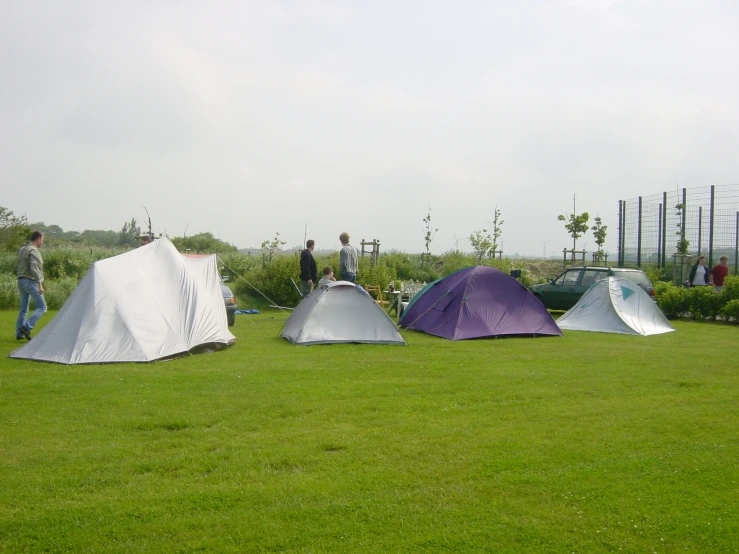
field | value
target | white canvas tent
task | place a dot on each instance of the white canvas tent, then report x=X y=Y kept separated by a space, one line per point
x=337 y=313
x=147 y=304
x=616 y=305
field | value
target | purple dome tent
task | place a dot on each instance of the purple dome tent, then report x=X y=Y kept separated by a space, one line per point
x=477 y=302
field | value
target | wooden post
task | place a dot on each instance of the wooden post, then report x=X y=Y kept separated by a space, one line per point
x=374 y=252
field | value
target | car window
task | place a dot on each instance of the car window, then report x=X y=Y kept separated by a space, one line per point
x=637 y=277
x=590 y=276
x=568 y=278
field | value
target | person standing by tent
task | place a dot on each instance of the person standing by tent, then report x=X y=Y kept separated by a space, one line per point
x=308 y=269
x=30 y=271
x=699 y=274
x=348 y=262
x=719 y=273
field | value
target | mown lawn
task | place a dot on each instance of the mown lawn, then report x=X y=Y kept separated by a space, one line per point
x=585 y=443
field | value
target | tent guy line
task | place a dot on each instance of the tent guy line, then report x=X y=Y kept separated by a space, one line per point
x=273 y=304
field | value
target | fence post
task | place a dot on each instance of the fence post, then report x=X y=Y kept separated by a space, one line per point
x=700 y=221
x=684 y=214
x=621 y=231
x=664 y=229
x=736 y=245
x=659 y=235
x=638 y=236
x=710 y=230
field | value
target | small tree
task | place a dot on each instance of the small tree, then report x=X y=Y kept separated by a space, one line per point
x=576 y=225
x=497 y=230
x=14 y=230
x=129 y=232
x=482 y=243
x=271 y=248
x=682 y=243
x=599 y=232
x=428 y=237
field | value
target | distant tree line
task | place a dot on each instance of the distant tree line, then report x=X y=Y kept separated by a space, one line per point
x=56 y=236
x=15 y=231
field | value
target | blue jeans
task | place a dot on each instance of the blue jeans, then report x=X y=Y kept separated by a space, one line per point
x=27 y=289
x=351 y=277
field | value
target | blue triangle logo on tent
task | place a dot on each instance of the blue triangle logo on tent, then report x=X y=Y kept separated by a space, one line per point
x=626 y=292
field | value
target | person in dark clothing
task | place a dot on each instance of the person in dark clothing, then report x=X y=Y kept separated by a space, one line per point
x=308 y=269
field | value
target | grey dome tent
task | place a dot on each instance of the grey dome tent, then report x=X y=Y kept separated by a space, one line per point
x=147 y=304
x=615 y=305
x=338 y=313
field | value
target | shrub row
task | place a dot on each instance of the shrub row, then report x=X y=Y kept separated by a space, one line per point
x=64 y=267
x=273 y=280
x=699 y=303
x=62 y=262
x=56 y=292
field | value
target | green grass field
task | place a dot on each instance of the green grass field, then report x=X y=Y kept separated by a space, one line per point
x=584 y=443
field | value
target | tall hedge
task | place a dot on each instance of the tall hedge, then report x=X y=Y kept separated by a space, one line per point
x=698 y=303
x=56 y=292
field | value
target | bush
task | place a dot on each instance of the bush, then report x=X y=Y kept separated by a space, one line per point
x=673 y=301
x=655 y=275
x=455 y=260
x=379 y=275
x=731 y=311
x=425 y=275
x=66 y=263
x=401 y=264
x=731 y=288
x=69 y=261
x=661 y=286
x=8 y=292
x=8 y=262
x=330 y=260
x=235 y=265
x=526 y=278
x=703 y=303
x=56 y=292
x=273 y=281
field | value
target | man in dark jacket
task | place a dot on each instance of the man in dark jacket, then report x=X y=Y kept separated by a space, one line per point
x=308 y=269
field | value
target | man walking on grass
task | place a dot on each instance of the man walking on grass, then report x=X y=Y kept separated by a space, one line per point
x=30 y=271
x=308 y=269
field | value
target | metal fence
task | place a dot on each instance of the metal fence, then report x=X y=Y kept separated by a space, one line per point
x=651 y=227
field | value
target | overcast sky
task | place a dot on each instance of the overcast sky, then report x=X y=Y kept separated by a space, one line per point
x=249 y=118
